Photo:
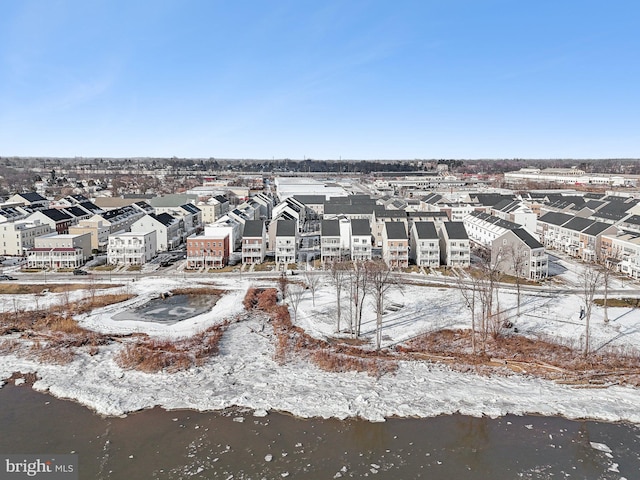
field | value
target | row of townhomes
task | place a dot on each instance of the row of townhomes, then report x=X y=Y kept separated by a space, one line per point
x=302 y=227
x=297 y=220
x=64 y=234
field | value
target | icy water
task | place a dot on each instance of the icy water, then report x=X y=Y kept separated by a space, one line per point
x=171 y=309
x=237 y=445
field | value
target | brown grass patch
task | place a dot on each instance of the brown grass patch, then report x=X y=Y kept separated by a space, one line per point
x=55 y=336
x=31 y=288
x=292 y=341
x=154 y=355
x=619 y=302
x=198 y=291
x=521 y=354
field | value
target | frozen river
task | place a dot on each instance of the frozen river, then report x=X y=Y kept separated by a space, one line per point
x=233 y=444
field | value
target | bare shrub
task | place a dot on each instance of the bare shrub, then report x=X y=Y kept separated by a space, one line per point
x=46 y=352
x=292 y=340
x=267 y=299
x=9 y=346
x=337 y=362
x=155 y=355
x=535 y=356
x=198 y=291
x=251 y=298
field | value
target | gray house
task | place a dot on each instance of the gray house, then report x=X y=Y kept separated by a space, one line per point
x=518 y=253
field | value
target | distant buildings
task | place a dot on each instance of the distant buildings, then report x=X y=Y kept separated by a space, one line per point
x=569 y=176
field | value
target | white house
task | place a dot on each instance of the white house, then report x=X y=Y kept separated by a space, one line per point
x=285 y=242
x=424 y=244
x=455 y=250
x=18 y=237
x=361 y=243
x=169 y=231
x=131 y=248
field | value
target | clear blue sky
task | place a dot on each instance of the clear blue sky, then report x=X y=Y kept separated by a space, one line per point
x=320 y=79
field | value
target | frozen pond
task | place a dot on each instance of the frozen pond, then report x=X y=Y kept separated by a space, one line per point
x=170 y=309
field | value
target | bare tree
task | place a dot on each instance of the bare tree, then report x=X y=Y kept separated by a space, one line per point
x=609 y=265
x=283 y=283
x=294 y=295
x=591 y=278
x=488 y=289
x=359 y=290
x=469 y=291
x=518 y=257
x=313 y=281
x=338 y=272
x=92 y=289
x=380 y=281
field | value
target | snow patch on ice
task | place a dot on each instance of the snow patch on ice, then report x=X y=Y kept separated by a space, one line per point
x=245 y=374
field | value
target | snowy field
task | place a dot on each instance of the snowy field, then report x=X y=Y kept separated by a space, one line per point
x=245 y=374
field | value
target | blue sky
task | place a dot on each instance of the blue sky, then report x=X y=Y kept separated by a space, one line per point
x=320 y=79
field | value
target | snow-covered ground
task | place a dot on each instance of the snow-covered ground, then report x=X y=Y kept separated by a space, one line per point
x=245 y=374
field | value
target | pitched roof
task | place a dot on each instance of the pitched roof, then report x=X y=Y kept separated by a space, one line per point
x=577 y=224
x=555 y=218
x=492 y=199
x=360 y=227
x=190 y=207
x=633 y=219
x=286 y=228
x=76 y=211
x=427 y=215
x=79 y=198
x=310 y=199
x=253 y=228
x=91 y=207
x=32 y=197
x=432 y=198
x=172 y=200
x=507 y=205
x=456 y=230
x=527 y=238
x=56 y=215
x=596 y=228
x=493 y=220
x=164 y=218
x=330 y=228
x=593 y=204
x=426 y=230
x=614 y=209
x=395 y=230
x=381 y=212
x=348 y=209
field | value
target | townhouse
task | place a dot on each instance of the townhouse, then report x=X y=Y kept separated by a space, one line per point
x=131 y=248
x=455 y=248
x=424 y=244
x=254 y=242
x=395 y=245
x=518 y=253
x=59 y=251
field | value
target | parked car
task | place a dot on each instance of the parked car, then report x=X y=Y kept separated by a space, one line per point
x=7 y=277
x=77 y=271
